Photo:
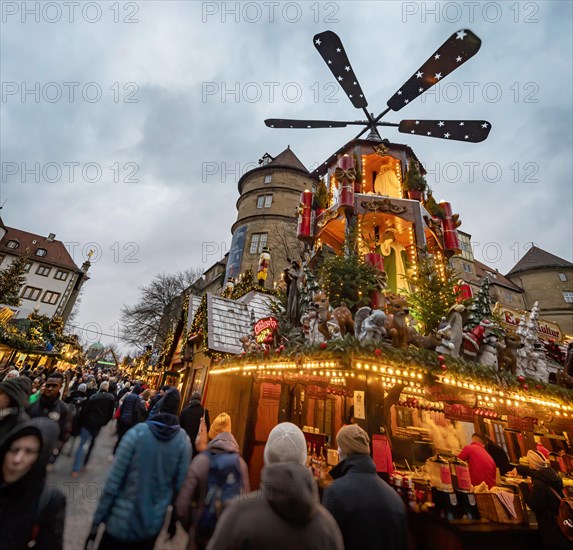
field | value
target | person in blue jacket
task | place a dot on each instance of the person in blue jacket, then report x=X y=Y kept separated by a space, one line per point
x=150 y=466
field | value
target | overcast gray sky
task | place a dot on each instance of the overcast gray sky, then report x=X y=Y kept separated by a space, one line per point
x=161 y=107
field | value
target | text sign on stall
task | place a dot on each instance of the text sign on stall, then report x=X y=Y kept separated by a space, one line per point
x=459 y=412
x=519 y=423
x=447 y=394
x=265 y=329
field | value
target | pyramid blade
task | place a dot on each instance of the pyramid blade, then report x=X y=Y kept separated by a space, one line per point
x=472 y=131
x=330 y=48
x=453 y=53
x=290 y=123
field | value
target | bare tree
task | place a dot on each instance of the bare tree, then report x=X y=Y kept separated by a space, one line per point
x=142 y=323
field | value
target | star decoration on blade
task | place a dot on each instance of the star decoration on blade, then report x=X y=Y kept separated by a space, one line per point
x=461 y=46
x=473 y=131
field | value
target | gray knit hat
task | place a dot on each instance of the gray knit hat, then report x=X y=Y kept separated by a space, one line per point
x=286 y=443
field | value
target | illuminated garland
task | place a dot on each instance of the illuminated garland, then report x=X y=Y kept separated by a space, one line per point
x=185 y=315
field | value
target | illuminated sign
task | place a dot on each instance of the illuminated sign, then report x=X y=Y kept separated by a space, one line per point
x=265 y=329
x=546 y=330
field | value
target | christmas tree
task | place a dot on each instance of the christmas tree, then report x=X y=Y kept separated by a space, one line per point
x=434 y=292
x=11 y=281
x=481 y=306
x=321 y=195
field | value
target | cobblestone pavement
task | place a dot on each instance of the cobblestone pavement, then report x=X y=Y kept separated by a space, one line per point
x=83 y=493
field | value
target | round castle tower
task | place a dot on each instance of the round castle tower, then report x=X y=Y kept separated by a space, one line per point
x=269 y=196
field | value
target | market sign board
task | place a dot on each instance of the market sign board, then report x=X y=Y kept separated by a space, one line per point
x=521 y=423
x=451 y=395
x=546 y=330
x=459 y=412
x=265 y=329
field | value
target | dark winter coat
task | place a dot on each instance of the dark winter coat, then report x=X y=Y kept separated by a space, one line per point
x=18 y=390
x=75 y=403
x=190 y=419
x=283 y=515
x=169 y=403
x=132 y=410
x=97 y=411
x=545 y=504
x=149 y=468
x=54 y=410
x=499 y=457
x=20 y=510
x=190 y=501
x=368 y=511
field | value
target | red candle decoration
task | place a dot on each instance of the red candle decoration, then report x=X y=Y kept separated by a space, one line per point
x=449 y=226
x=345 y=175
x=304 y=227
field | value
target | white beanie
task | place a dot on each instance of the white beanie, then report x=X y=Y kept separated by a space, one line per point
x=286 y=443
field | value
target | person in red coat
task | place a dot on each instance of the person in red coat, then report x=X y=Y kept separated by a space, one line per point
x=481 y=465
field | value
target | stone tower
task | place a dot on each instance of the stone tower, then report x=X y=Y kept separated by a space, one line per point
x=269 y=196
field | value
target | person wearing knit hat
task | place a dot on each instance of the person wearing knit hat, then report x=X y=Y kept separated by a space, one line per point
x=285 y=512
x=536 y=460
x=286 y=443
x=221 y=424
x=14 y=394
x=544 y=498
x=204 y=476
x=353 y=440
x=368 y=511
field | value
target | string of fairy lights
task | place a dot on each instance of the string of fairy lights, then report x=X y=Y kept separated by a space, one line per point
x=388 y=376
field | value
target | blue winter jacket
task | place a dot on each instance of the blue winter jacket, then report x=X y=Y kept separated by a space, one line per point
x=149 y=468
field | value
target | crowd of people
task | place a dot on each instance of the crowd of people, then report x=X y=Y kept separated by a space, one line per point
x=178 y=466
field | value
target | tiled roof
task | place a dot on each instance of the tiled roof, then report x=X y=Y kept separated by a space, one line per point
x=228 y=320
x=536 y=258
x=483 y=270
x=288 y=158
x=57 y=253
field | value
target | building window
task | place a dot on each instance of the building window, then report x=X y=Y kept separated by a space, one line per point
x=258 y=241
x=264 y=201
x=13 y=244
x=43 y=270
x=568 y=296
x=41 y=252
x=31 y=293
x=51 y=297
x=268 y=178
x=61 y=275
x=563 y=277
x=27 y=267
x=466 y=267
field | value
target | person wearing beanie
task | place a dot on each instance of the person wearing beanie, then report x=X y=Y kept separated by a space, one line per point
x=368 y=511
x=131 y=412
x=544 y=498
x=222 y=453
x=221 y=424
x=168 y=403
x=285 y=512
x=14 y=395
x=190 y=419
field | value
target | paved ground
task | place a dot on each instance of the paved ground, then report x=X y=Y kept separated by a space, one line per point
x=83 y=493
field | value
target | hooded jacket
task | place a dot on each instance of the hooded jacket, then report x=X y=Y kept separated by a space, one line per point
x=190 y=501
x=368 y=511
x=283 y=515
x=19 y=501
x=191 y=418
x=543 y=501
x=149 y=468
x=18 y=390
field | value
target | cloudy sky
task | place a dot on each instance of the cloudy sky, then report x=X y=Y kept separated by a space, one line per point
x=125 y=126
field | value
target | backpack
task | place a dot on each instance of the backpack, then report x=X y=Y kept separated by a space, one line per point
x=565 y=516
x=224 y=485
